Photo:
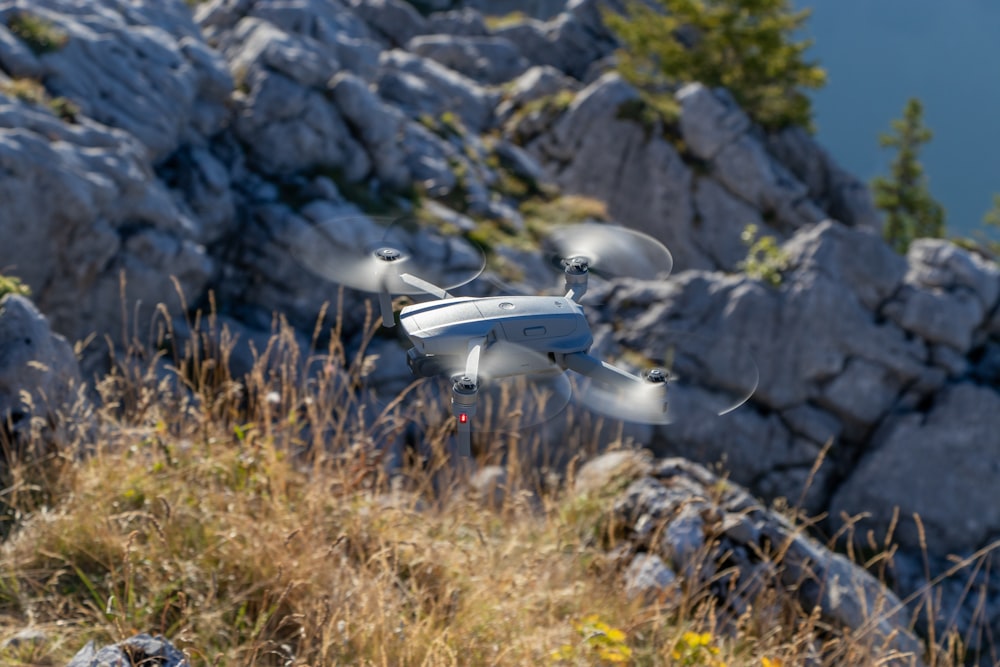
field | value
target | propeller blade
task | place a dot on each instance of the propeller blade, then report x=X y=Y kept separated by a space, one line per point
x=609 y=251
x=397 y=261
x=472 y=362
x=707 y=377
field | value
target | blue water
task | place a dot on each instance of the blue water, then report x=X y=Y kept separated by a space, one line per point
x=879 y=53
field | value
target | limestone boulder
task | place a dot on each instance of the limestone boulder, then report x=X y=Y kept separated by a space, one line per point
x=397 y=21
x=593 y=150
x=161 y=83
x=330 y=26
x=420 y=86
x=937 y=463
x=137 y=650
x=485 y=59
x=680 y=525
x=40 y=378
x=466 y=21
x=85 y=218
x=842 y=195
x=570 y=41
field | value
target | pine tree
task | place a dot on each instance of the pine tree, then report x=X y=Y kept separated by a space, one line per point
x=746 y=46
x=911 y=211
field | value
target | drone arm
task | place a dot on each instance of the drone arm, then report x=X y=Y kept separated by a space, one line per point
x=464 y=396
x=425 y=286
x=599 y=371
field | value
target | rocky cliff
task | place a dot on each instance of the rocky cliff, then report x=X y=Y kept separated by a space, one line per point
x=153 y=152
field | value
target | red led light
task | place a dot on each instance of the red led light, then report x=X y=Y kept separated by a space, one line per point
x=463 y=418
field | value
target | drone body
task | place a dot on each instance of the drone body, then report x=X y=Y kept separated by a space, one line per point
x=441 y=330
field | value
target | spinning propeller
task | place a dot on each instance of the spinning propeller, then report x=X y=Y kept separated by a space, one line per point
x=705 y=376
x=606 y=251
x=394 y=264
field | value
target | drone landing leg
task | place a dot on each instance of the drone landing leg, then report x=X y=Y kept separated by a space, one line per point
x=385 y=305
x=464 y=396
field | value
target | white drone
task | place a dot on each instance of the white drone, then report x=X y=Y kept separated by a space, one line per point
x=472 y=340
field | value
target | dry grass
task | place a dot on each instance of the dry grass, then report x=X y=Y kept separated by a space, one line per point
x=251 y=523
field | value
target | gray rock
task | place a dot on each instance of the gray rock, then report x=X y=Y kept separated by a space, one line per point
x=616 y=467
x=329 y=26
x=138 y=650
x=39 y=377
x=203 y=189
x=466 y=21
x=683 y=543
x=648 y=578
x=257 y=44
x=940 y=264
x=539 y=9
x=570 y=41
x=421 y=86
x=159 y=83
x=592 y=151
x=429 y=159
x=81 y=199
x=859 y=259
x=288 y=127
x=536 y=83
x=937 y=465
x=16 y=58
x=377 y=126
x=812 y=423
x=522 y=164
x=489 y=60
x=841 y=195
x=862 y=392
x=937 y=316
x=747 y=170
x=709 y=120
x=396 y=20
x=25 y=638
x=713 y=537
x=720 y=219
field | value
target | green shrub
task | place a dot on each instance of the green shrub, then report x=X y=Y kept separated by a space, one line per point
x=13 y=285
x=911 y=211
x=766 y=260
x=747 y=46
x=33 y=92
x=41 y=35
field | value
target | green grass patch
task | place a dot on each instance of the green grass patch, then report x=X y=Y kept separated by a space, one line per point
x=33 y=92
x=41 y=35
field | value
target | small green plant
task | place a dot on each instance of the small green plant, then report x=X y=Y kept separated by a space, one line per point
x=911 y=211
x=13 y=285
x=33 y=92
x=597 y=640
x=747 y=46
x=766 y=259
x=41 y=35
